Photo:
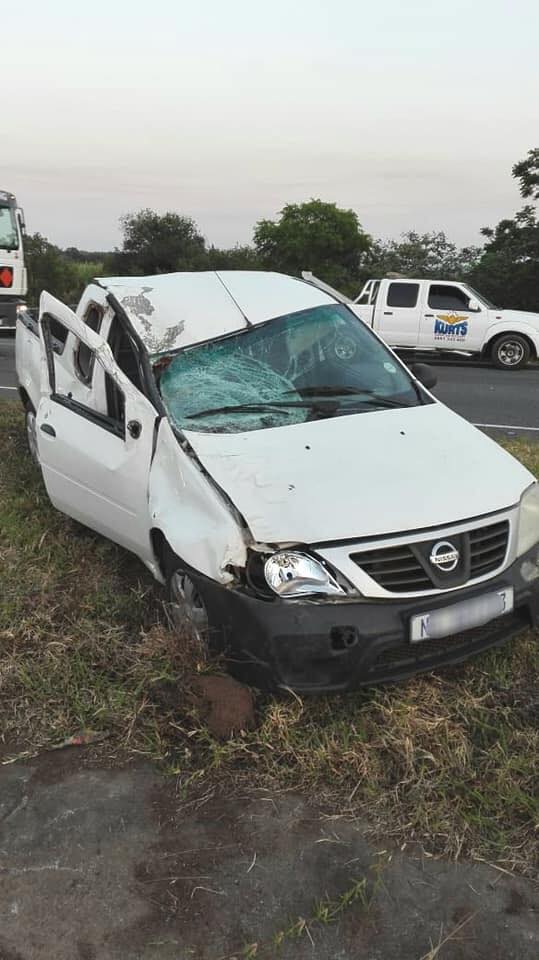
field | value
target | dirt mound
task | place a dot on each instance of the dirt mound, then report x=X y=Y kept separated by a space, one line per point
x=226 y=706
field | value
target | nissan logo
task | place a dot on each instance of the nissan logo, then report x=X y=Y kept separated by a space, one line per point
x=444 y=556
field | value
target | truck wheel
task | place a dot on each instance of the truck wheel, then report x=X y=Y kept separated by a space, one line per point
x=186 y=607
x=511 y=352
x=31 y=434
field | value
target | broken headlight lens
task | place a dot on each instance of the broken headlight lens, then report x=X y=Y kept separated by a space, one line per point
x=291 y=574
x=528 y=520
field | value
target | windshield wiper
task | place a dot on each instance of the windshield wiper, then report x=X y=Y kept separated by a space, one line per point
x=327 y=391
x=370 y=395
x=267 y=407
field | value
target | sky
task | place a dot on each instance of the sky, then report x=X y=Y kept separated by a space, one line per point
x=410 y=113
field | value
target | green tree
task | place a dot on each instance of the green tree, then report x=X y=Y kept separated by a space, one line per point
x=527 y=171
x=508 y=271
x=315 y=236
x=420 y=255
x=240 y=257
x=158 y=243
x=49 y=269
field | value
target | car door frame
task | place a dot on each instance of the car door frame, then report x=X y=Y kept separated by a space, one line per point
x=128 y=524
x=402 y=330
x=475 y=322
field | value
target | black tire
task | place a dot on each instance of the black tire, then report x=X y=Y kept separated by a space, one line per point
x=185 y=606
x=511 y=351
x=31 y=434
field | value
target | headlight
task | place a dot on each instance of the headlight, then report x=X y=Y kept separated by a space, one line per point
x=528 y=520
x=298 y=575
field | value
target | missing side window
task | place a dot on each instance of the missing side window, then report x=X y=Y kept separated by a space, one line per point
x=115 y=401
x=84 y=356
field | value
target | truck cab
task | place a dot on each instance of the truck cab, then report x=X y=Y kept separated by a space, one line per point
x=13 y=276
x=440 y=315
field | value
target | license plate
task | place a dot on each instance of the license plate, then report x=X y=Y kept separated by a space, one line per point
x=461 y=616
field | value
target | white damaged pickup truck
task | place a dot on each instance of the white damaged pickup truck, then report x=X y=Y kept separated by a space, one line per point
x=314 y=511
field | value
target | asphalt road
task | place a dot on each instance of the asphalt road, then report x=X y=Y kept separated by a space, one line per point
x=8 y=379
x=498 y=400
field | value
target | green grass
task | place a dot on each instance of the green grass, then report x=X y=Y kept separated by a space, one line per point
x=449 y=759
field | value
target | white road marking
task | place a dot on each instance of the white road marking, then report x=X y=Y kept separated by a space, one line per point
x=8 y=388
x=506 y=426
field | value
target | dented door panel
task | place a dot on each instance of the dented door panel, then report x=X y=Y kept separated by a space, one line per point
x=95 y=466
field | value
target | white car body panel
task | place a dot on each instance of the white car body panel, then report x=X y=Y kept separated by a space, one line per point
x=92 y=475
x=517 y=321
x=363 y=475
x=196 y=519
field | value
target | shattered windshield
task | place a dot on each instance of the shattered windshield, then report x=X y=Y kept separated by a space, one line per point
x=313 y=364
x=9 y=239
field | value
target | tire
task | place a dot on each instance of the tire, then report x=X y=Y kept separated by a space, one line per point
x=186 y=608
x=31 y=434
x=511 y=352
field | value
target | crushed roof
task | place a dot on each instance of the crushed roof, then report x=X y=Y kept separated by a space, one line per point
x=174 y=310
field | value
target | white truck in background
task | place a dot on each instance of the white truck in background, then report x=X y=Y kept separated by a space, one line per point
x=440 y=315
x=13 y=276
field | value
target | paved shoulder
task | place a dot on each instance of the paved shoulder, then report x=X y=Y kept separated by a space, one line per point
x=8 y=377
x=107 y=864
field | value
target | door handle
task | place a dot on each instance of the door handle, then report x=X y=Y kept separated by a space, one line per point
x=134 y=428
x=46 y=427
x=428 y=314
x=388 y=313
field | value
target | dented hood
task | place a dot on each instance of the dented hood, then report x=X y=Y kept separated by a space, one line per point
x=362 y=475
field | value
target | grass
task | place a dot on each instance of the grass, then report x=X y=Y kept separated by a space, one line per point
x=324 y=912
x=449 y=760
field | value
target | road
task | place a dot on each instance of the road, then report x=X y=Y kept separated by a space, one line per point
x=499 y=400
x=8 y=380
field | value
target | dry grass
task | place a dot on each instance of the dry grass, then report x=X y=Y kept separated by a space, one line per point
x=448 y=760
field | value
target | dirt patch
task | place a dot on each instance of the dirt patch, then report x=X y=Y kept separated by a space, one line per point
x=9 y=954
x=517 y=903
x=85 y=951
x=226 y=706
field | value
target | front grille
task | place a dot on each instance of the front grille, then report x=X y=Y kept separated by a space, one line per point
x=405 y=568
x=488 y=547
x=394 y=568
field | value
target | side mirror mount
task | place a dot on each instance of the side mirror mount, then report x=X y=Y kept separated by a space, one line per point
x=22 y=221
x=425 y=374
x=473 y=305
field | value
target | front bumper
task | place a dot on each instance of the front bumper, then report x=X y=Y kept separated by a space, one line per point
x=341 y=645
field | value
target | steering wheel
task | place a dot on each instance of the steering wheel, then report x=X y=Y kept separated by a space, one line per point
x=345 y=347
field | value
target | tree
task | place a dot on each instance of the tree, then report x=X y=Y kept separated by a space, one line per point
x=527 y=171
x=49 y=269
x=420 y=255
x=154 y=243
x=508 y=272
x=314 y=236
x=240 y=257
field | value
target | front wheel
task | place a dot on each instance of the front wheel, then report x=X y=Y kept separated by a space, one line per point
x=511 y=352
x=31 y=434
x=186 y=607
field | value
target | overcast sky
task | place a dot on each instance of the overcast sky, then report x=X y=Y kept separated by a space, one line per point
x=412 y=113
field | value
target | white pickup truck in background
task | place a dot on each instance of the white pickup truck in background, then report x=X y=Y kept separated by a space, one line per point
x=439 y=315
